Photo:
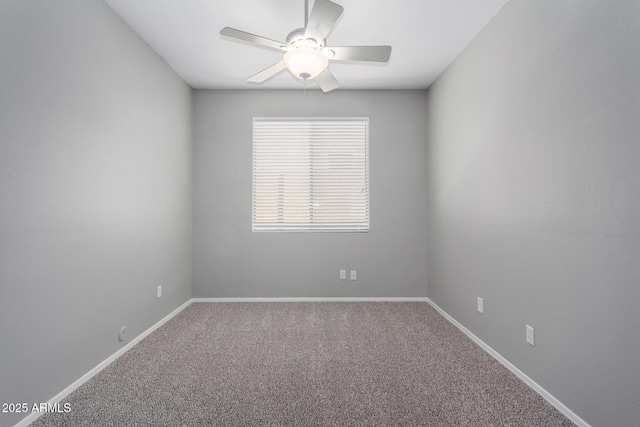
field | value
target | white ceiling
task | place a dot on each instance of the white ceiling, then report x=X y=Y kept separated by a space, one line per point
x=426 y=36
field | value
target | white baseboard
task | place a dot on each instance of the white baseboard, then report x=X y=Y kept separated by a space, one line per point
x=86 y=377
x=531 y=383
x=312 y=299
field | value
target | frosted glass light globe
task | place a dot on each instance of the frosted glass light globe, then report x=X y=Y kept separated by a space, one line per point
x=305 y=63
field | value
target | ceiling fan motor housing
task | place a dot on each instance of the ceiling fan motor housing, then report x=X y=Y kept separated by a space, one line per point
x=297 y=36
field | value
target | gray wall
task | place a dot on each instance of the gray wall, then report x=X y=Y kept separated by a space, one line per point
x=95 y=192
x=534 y=170
x=231 y=261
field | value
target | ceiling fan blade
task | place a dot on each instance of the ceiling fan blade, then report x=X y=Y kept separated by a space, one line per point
x=360 y=53
x=322 y=19
x=253 y=39
x=326 y=81
x=267 y=73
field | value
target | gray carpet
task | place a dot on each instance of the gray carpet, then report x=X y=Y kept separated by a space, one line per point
x=306 y=364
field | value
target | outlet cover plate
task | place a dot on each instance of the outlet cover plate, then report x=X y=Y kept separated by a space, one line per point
x=530 y=335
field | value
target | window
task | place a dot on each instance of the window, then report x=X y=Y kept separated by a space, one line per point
x=311 y=174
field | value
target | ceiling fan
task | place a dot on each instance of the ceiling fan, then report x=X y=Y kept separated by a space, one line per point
x=306 y=54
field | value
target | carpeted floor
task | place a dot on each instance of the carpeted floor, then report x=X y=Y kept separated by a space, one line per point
x=306 y=364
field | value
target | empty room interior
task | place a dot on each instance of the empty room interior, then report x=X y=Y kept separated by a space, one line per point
x=345 y=212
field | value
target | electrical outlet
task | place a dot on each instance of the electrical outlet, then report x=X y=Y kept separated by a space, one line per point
x=530 y=335
x=480 y=305
x=159 y=291
x=353 y=275
x=343 y=274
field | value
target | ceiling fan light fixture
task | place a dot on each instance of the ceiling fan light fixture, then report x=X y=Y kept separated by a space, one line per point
x=306 y=55
x=305 y=63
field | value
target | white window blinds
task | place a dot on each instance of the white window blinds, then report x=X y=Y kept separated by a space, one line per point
x=311 y=174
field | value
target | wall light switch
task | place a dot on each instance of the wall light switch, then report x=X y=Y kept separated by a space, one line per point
x=343 y=274
x=353 y=275
x=159 y=291
x=480 y=305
